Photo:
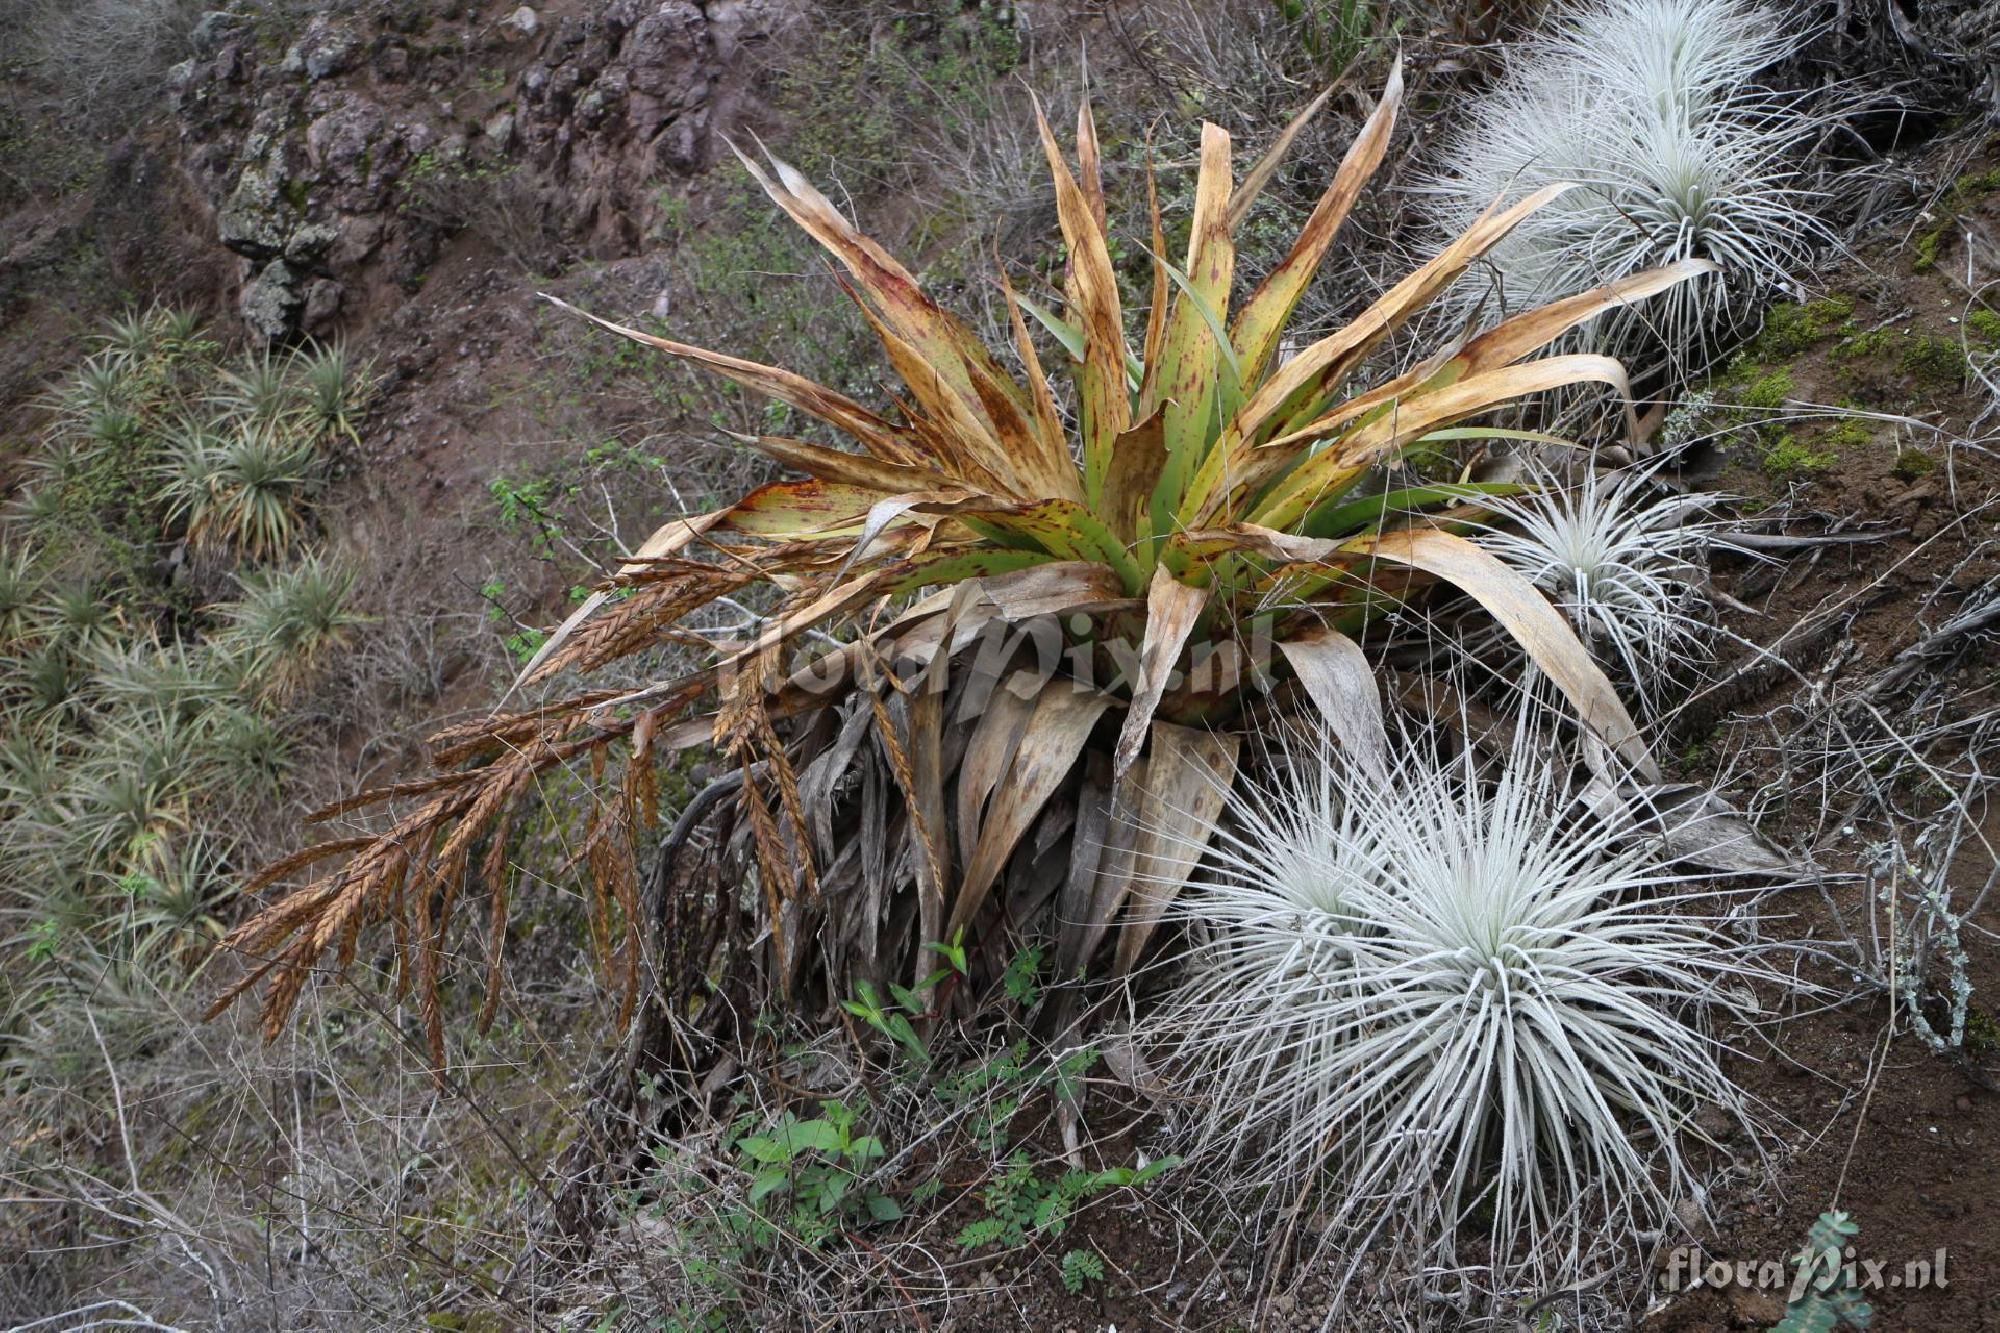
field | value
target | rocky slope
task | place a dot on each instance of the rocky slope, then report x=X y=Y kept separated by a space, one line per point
x=334 y=166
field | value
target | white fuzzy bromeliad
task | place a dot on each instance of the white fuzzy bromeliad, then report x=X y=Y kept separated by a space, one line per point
x=1621 y=559
x=1436 y=997
x=1653 y=109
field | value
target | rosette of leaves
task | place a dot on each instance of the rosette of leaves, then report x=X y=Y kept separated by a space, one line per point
x=1194 y=516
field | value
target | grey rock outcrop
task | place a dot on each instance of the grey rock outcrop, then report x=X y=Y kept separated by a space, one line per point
x=271 y=301
x=336 y=171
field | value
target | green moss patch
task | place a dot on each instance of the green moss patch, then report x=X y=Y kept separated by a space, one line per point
x=1964 y=193
x=1792 y=459
x=1791 y=329
x=1863 y=346
x=1848 y=433
x=1767 y=392
x=1913 y=463
x=1939 y=363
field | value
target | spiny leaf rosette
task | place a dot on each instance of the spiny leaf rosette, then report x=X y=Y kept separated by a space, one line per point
x=1447 y=1002
x=1197 y=518
x=1654 y=110
x=1623 y=565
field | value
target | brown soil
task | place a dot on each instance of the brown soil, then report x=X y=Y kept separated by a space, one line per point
x=1923 y=1130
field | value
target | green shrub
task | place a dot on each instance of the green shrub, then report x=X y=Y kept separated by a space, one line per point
x=76 y=615
x=245 y=490
x=45 y=680
x=20 y=591
x=259 y=391
x=155 y=433
x=173 y=907
x=336 y=390
x=146 y=739
x=253 y=753
x=134 y=672
x=288 y=622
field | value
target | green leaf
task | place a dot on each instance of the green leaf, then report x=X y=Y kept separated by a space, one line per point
x=1827 y=1302
x=808 y=1135
x=1495 y=433
x=1079 y=1269
x=1066 y=333
x=905 y=1036
x=1368 y=513
x=768 y=1181
x=983 y=1232
x=1232 y=384
x=762 y=1149
x=957 y=568
x=1020 y=979
x=883 y=1208
x=1071 y=337
x=953 y=953
x=1068 y=531
x=1052 y=1213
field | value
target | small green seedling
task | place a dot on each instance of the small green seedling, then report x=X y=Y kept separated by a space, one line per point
x=1823 y=1295
x=819 y=1166
x=1080 y=1268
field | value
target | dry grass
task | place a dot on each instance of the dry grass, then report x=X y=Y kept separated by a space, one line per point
x=104 y=57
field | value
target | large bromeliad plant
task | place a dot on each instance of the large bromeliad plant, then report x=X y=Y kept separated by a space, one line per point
x=1200 y=531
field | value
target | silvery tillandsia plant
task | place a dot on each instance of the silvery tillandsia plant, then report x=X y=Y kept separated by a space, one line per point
x=1451 y=1005
x=1183 y=519
x=1625 y=562
x=1655 y=110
